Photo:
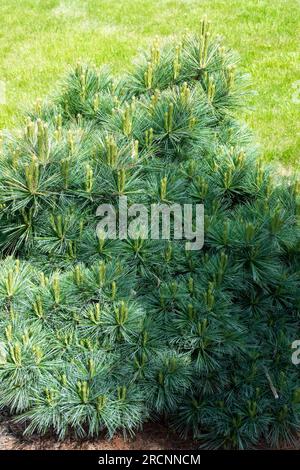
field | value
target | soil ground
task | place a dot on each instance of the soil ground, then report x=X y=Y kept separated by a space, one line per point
x=154 y=436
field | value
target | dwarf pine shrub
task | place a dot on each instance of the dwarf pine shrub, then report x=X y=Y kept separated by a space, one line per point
x=102 y=335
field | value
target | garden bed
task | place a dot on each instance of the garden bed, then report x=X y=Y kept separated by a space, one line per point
x=154 y=436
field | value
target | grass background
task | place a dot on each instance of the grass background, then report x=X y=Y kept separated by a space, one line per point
x=39 y=39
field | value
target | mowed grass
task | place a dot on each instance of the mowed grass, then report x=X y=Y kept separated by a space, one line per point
x=39 y=39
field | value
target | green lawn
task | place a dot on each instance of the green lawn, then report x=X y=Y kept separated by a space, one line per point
x=39 y=39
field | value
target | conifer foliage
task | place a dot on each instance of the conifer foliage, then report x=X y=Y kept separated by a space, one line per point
x=102 y=335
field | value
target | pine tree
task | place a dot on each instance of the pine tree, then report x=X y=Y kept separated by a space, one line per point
x=99 y=334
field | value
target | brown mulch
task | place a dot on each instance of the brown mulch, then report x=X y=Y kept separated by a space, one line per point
x=154 y=436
